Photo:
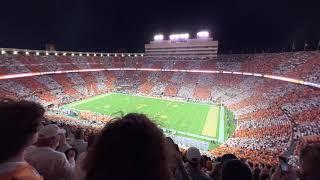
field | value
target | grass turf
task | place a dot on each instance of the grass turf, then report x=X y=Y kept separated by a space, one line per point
x=182 y=116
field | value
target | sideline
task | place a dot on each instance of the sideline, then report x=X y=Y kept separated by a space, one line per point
x=221 y=125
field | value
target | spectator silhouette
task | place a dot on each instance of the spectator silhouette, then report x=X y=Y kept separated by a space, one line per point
x=131 y=147
x=19 y=123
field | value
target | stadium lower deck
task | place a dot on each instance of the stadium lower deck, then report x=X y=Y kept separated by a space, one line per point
x=190 y=123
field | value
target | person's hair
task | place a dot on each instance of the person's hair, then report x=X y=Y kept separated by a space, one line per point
x=216 y=173
x=130 y=147
x=235 y=169
x=309 y=159
x=91 y=140
x=227 y=157
x=171 y=154
x=243 y=160
x=19 y=122
x=256 y=173
x=79 y=134
x=75 y=152
x=169 y=140
x=177 y=148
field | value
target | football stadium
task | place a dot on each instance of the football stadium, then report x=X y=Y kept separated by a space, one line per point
x=219 y=104
x=254 y=106
x=182 y=105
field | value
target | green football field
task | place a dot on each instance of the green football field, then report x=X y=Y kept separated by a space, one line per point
x=191 y=118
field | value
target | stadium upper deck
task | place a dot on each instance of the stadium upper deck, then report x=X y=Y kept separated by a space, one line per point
x=299 y=65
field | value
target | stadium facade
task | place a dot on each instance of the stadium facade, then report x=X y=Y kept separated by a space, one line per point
x=185 y=48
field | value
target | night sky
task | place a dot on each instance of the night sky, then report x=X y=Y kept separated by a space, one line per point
x=118 y=25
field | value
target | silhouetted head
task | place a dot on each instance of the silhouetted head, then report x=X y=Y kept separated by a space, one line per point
x=131 y=147
x=309 y=161
x=235 y=169
x=19 y=124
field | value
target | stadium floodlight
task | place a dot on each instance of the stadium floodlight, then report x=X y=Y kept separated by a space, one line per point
x=37 y=53
x=56 y=54
x=72 y=54
x=3 y=51
x=122 y=55
x=173 y=37
x=88 y=54
x=183 y=36
x=115 y=55
x=129 y=55
x=94 y=54
x=203 y=34
x=101 y=54
x=27 y=53
x=15 y=52
x=108 y=54
x=47 y=53
x=158 y=37
x=80 y=54
x=141 y=55
x=64 y=54
x=135 y=55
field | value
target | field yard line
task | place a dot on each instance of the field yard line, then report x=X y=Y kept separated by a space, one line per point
x=86 y=100
x=150 y=97
x=210 y=124
x=221 y=125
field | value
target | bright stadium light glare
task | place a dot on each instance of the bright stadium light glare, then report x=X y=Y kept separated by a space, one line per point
x=141 y=55
x=88 y=54
x=3 y=51
x=203 y=34
x=56 y=54
x=27 y=53
x=101 y=54
x=64 y=54
x=173 y=37
x=15 y=52
x=183 y=36
x=47 y=53
x=80 y=54
x=122 y=55
x=108 y=54
x=158 y=37
x=72 y=54
x=135 y=55
x=37 y=53
x=94 y=54
x=115 y=55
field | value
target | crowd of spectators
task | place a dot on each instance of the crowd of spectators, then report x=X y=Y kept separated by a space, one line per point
x=262 y=115
x=271 y=115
